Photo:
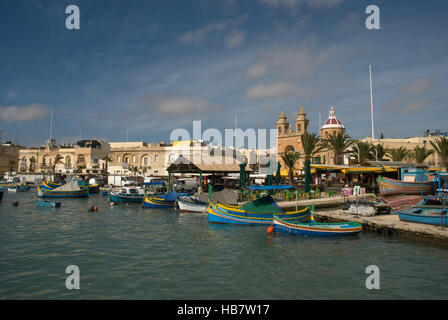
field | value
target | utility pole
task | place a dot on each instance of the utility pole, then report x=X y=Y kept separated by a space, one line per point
x=371 y=102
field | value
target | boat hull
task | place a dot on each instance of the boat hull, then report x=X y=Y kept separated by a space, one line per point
x=317 y=229
x=390 y=187
x=192 y=206
x=48 y=204
x=165 y=200
x=433 y=219
x=62 y=194
x=116 y=197
x=218 y=213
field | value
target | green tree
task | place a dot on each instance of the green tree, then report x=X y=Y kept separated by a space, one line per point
x=338 y=143
x=32 y=163
x=398 y=154
x=311 y=145
x=379 y=151
x=58 y=159
x=441 y=147
x=419 y=154
x=134 y=169
x=362 y=152
x=290 y=160
x=107 y=160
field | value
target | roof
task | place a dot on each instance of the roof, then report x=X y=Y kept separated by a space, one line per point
x=183 y=165
x=332 y=121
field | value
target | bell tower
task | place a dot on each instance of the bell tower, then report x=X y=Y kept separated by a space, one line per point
x=302 y=122
x=282 y=124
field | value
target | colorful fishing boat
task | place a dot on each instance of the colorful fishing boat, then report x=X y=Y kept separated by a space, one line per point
x=189 y=204
x=69 y=190
x=51 y=185
x=163 y=200
x=127 y=194
x=92 y=188
x=48 y=204
x=314 y=228
x=389 y=187
x=257 y=212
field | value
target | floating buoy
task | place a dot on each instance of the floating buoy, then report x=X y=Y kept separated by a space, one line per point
x=95 y=208
x=270 y=230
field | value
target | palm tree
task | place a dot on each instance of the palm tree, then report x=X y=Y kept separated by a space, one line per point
x=311 y=145
x=398 y=154
x=338 y=143
x=441 y=147
x=362 y=152
x=420 y=154
x=57 y=159
x=290 y=160
x=134 y=169
x=107 y=160
x=380 y=151
x=12 y=163
x=32 y=163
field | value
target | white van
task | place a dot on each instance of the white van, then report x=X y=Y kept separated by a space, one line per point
x=185 y=184
x=119 y=181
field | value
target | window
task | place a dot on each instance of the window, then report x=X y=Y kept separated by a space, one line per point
x=145 y=161
x=119 y=159
x=299 y=127
x=133 y=159
x=156 y=158
x=81 y=158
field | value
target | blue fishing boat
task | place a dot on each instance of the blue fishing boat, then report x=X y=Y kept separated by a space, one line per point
x=48 y=204
x=189 y=204
x=257 y=212
x=127 y=194
x=70 y=190
x=426 y=215
x=163 y=200
x=314 y=228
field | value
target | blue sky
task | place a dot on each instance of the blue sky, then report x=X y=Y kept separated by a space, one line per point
x=154 y=66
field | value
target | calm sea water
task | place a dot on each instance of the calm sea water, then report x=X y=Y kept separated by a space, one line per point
x=127 y=252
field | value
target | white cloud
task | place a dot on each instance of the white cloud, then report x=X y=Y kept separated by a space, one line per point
x=269 y=91
x=416 y=106
x=34 y=111
x=419 y=86
x=257 y=70
x=182 y=106
x=291 y=62
x=292 y=4
x=199 y=35
x=235 y=39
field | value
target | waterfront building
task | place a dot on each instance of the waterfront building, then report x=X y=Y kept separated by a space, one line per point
x=84 y=157
x=9 y=156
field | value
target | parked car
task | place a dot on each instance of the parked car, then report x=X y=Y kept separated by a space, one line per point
x=185 y=184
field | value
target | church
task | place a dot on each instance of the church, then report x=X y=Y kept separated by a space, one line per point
x=289 y=139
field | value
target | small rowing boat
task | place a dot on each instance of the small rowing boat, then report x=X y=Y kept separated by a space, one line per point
x=164 y=200
x=48 y=204
x=313 y=228
x=389 y=187
x=189 y=204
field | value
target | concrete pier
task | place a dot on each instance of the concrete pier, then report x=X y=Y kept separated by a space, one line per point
x=332 y=202
x=329 y=210
x=388 y=224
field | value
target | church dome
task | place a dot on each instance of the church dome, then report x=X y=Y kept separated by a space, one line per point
x=332 y=122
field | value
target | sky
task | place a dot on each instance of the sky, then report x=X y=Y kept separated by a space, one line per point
x=137 y=70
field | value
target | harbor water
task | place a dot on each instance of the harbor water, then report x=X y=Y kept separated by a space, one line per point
x=128 y=252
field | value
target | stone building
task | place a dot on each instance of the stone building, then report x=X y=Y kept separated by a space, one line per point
x=85 y=156
x=9 y=156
